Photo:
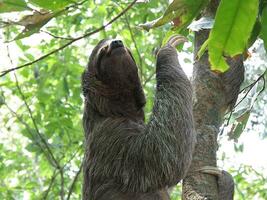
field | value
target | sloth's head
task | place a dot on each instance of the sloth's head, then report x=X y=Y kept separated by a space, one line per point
x=113 y=63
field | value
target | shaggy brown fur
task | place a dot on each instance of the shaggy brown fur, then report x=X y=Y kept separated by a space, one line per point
x=126 y=159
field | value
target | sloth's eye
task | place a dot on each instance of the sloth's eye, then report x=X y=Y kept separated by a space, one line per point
x=104 y=49
x=102 y=52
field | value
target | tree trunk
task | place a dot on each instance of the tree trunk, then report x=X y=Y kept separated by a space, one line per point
x=213 y=94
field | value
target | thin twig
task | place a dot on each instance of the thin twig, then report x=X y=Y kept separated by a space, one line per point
x=62 y=190
x=73 y=156
x=262 y=89
x=75 y=4
x=263 y=178
x=251 y=86
x=35 y=124
x=50 y=184
x=149 y=78
x=55 y=174
x=231 y=113
x=136 y=46
x=19 y=118
x=3 y=73
x=23 y=122
x=74 y=181
x=55 y=36
x=77 y=173
x=8 y=55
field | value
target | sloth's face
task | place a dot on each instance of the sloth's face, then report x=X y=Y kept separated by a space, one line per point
x=114 y=63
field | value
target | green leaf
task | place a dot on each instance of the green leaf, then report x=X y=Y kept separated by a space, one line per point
x=33 y=23
x=180 y=12
x=52 y=4
x=32 y=147
x=13 y=5
x=66 y=86
x=237 y=129
x=239 y=147
x=202 y=49
x=255 y=33
x=244 y=117
x=264 y=26
x=231 y=31
x=2 y=100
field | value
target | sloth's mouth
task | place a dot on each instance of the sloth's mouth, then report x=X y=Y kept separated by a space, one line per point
x=116 y=47
x=116 y=50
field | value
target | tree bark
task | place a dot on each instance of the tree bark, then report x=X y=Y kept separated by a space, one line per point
x=213 y=95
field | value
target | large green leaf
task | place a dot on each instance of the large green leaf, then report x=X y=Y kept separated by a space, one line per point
x=52 y=4
x=238 y=128
x=33 y=23
x=233 y=24
x=12 y=5
x=264 y=26
x=181 y=12
x=255 y=33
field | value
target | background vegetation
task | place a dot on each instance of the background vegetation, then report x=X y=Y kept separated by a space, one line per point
x=41 y=137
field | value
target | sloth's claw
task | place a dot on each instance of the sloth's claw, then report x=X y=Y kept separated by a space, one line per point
x=175 y=40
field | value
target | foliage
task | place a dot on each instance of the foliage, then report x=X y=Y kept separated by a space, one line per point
x=249 y=111
x=263 y=19
x=180 y=12
x=13 y=5
x=41 y=140
x=231 y=31
x=251 y=183
x=51 y=89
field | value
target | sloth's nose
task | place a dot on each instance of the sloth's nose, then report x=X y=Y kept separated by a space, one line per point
x=116 y=43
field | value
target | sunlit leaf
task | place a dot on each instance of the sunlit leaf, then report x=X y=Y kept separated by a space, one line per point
x=13 y=5
x=254 y=34
x=244 y=117
x=264 y=26
x=231 y=31
x=239 y=147
x=32 y=147
x=2 y=100
x=238 y=128
x=52 y=4
x=202 y=49
x=180 y=12
x=33 y=23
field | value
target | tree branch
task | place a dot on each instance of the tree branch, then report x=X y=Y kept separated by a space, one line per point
x=136 y=47
x=55 y=36
x=19 y=118
x=74 y=181
x=62 y=191
x=148 y=79
x=3 y=73
x=50 y=185
x=250 y=86
x=47 y=154
x=73 y=155
x=57 y=165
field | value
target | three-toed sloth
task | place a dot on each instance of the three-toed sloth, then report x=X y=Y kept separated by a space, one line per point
x=126 y=159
